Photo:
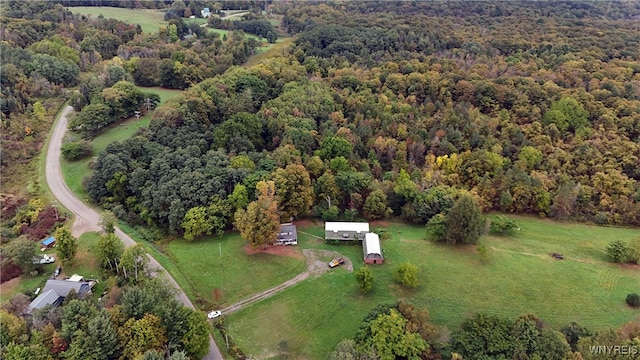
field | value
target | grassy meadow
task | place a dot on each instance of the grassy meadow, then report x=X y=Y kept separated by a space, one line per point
x=150 y=20
x=221 y=263
x=74 y=172
x=518 y=276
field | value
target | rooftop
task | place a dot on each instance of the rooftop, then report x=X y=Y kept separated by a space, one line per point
x=287 y=232
x=46 y=298
x=63 y=287
x=360 y=227
x=372 y=243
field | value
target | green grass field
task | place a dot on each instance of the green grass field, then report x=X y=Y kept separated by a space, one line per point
x=221 y=263
x=74 y=172
x=518 y=277
x=149 y=20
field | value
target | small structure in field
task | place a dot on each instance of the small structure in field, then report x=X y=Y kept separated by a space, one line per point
x=48 y=243
x=372 y=249
x=287 y=235
x=345 y=231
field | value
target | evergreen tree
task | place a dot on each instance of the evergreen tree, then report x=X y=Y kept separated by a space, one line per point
x=464 y=221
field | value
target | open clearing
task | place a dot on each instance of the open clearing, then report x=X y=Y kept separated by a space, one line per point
x=150 y=20
x=316 y=314
x=74 y=172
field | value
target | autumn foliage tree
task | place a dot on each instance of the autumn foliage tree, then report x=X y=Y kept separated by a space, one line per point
x=260 y=222
x=294 y=193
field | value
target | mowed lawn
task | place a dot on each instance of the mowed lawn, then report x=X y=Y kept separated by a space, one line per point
x=150 y=20
x=74 y=172
x=220 y=272
x=518 y=276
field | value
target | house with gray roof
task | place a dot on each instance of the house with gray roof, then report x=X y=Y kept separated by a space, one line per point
x=287 y=235
x=55 y=291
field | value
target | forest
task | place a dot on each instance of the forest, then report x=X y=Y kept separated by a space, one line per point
x=377 y=110
x=541 y=122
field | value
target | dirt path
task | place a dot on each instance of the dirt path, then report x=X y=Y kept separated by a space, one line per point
x=316 y=266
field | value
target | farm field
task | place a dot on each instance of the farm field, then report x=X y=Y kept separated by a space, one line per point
x=150 y=20
x=517 y=277
x=74 y=171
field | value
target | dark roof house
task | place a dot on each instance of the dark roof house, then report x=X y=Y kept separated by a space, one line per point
x=55 y=291
x=287 y=235
x=63 y=287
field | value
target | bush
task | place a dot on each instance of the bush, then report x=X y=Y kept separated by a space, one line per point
x=633 y=300
x=407 y=275
x=76 y=150
x=618 y=251
x=503 y=225
x=364 y=278
x=437 y=228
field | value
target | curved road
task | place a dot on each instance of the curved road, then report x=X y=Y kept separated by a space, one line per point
x=87 y=219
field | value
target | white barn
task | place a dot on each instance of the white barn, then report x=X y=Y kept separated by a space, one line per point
x=345 y=231
x=372 y=249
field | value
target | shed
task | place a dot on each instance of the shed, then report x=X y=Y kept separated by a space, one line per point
x=287 y=235
x=49 y=242
x=372 y=249
x=345 y=230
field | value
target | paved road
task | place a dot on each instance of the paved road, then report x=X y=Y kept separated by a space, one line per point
x=87 y=219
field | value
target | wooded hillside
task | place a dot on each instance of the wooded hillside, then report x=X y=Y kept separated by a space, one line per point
x=533 y=108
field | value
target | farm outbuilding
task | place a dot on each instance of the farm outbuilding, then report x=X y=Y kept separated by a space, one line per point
x=48 y=243
x=287 y=235
x=345 y=230
x=372 y=249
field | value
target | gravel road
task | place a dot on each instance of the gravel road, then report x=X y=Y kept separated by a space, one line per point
x=87 y=219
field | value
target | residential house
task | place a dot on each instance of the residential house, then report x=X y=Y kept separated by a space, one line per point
x=55 y=291
x=372 y=249
x=287 y=235
x=345 y=231
x=205 y=13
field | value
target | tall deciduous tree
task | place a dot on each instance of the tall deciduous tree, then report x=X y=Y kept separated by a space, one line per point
x=293 y=191
x=22 y=252
x=391 y=340
x=134 y=262
x=66 y=245
x=196 y=339
x=464 y=221
x=196 y=223
x=407 y=275
x=260 y=222
x=110 y=250
x=138 y=336
x=375 y=206
x=364 y=276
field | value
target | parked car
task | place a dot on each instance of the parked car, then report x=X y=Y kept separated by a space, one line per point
x=44 y=259
x=336 y=262
x=57 y=272
x=214 y=314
